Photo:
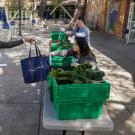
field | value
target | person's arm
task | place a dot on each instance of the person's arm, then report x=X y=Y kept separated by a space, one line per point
x=71 y=33
x=11 y=44
x=81 y=34
x=68 y=52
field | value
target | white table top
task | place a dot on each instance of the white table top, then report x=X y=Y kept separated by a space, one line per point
x=50 y=121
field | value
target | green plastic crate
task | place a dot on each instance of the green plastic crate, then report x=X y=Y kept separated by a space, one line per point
x=80 y=101
x=54 y=46
x=61 y=65
x=67 y=111
x=79 y=111
x=58 y=46
x=50 y=83
x=59 y=35
x=81 y=92
x=61 y=61
x=50 y=86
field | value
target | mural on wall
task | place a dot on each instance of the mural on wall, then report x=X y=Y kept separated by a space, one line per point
x=121 y=18
x=108 y=15
x=102 y=15
x=96 y=12
x=112 y=15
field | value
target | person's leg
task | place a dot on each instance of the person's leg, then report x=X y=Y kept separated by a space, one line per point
x=82 y=132
x=64 y=132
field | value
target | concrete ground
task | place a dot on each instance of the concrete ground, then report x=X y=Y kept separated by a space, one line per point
x=20 y=102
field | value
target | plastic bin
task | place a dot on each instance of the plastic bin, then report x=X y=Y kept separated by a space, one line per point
x=80 y=101
x=59 y=35
x=50 y=86
x=79 y=110
x=59 y=46
x=61 y=65
x=61 y=61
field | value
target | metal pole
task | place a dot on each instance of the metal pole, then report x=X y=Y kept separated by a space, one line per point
x=20 y=27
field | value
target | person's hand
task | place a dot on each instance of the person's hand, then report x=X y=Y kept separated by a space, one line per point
x=28 y=39
x=69 y=33
x=52 y=53
x=62 y=29
x=74 y=64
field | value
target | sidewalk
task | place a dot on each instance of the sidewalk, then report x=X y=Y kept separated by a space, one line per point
x=117 y=58
x=19 y=102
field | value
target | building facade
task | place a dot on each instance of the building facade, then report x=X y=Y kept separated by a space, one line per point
x=108 y=15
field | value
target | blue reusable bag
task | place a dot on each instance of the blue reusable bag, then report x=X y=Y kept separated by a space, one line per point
x=36 y=68
x=5 y=25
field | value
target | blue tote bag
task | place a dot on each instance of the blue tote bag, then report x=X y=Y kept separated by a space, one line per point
x=36 y=68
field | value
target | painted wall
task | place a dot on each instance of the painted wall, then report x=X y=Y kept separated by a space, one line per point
x=109 y=15
x=112 y=15
x=121 y=20
x=115 y=17
x=95 y=13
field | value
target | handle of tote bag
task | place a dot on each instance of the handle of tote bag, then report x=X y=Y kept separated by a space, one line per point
x=37 y=49
x=38 y=53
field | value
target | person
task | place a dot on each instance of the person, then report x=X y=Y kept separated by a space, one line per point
x=11 y=44
x=33 y=21
x=81 y=52
x=81 y=28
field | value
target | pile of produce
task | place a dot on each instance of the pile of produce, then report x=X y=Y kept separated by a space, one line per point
x=81 y=74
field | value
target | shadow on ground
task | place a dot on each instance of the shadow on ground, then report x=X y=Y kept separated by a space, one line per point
x=19 y=102
x=117 y=50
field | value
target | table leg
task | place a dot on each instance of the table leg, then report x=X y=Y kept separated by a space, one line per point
x=64 y=132
x=82 y=132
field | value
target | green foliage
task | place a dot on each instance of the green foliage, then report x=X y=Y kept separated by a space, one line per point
x=82 y=74
x=25 y=4
x=56 y=2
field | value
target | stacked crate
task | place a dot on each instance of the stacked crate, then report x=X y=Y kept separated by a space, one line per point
x=78 y=101
x=58 y=40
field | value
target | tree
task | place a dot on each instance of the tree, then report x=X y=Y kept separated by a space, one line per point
x=12 y=4
x=25 y=4
x=79 y=11
x=56 y=2
x=42 y=8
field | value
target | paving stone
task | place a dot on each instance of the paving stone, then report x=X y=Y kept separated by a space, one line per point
x=122 y=120
x=19 y=119
x=116 y=59
x=14 y=90
x=131 y=109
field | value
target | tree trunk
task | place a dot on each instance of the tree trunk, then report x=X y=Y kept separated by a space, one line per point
x=79 y=11
x=85 y=6
x=42 y=8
